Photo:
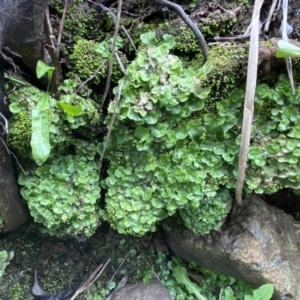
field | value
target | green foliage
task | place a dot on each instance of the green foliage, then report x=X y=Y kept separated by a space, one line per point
x=214 y=282
x=286 y=50
x=5 y=257
x=63 y=123
x=156 y=168
x=40 y=129
x=274 y=155
x=264 y=292
x=186 y=42
x=209 y=215
x=89 y=56
x=181 y=276
x=62 y=194
x=172 y=146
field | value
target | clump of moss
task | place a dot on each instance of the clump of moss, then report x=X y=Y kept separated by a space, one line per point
x=81 y=22
x=186 y=42
x=91 y=59
x=228 y=69
x=63 y=126
x=20 y=134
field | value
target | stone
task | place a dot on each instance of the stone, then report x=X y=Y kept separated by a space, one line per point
x=141 y=291
x=258 y=244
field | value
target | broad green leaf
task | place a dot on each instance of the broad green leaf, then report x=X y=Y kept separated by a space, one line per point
x=15 y=107
x=147 y=277
x=264 y=292
x=148 y=38
x=16 y=79
x=40 y=143
x=207 y=67
x=182 y=277
x=44 y=103
x=42 y=69
x=70 y=109
x=286 y=50
x=103 y=49
x=141 y=133
x=169 y=40
x=263 y=91
x=229 y=294
x=58 y=210
x=157 y=203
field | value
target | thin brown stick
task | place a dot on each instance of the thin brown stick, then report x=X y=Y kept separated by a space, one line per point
x=108 y=80
x=61 y=27
x=270 y=14
x=92 y=278
x=129 y=37
x=111 y=125
x=52 y=52
x=120 y=266
x=90 y=78
x=249 y=100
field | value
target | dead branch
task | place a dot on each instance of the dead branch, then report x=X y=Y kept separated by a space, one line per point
x=249 y=100
x=108 y=80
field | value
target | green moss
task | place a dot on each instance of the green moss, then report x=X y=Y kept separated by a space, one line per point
x=81 y=23
x=228 y=69
x=20 y=134
x=91 y=59
x=63 y=127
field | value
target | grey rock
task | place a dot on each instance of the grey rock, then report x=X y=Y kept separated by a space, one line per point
x=141 y=291
x=21 y=29
x=259 y=244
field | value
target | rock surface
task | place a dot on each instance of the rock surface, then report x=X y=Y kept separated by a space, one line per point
x=141 y=291
x=21 y=29
x=259 y=244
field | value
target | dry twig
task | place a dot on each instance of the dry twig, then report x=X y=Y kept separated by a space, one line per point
x=90 y=78
x=61 y=27
x=120 y=266
x=270 y=14
x=117 y=26
x=111 y=124
x=249 y=100
x=52 y=52
x=93 y=277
